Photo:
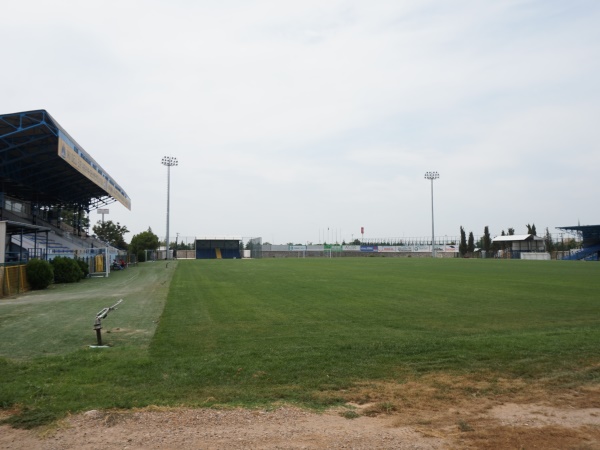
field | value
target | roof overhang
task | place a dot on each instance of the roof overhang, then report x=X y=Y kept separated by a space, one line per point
x=517 y=238
x=14 y=228
x=590 y=234
x=40 y=162
x=219 y=238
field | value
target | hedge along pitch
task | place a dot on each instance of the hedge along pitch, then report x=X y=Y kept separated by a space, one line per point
x=40 y=274
x=66 y=270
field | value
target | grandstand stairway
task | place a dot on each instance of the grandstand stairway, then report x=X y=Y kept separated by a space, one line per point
x=218 y=253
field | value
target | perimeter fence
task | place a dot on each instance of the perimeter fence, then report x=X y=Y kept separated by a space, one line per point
x=13 y=279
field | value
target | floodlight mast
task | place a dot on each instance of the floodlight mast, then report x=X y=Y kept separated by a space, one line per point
x=432 y=176
x=168 y=161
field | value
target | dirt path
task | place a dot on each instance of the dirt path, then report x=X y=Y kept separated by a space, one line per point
x=504 y=426
x=433 y=412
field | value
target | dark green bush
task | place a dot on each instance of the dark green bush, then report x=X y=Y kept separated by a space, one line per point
x=66 y=270
x=84 y=266
x=39 y=274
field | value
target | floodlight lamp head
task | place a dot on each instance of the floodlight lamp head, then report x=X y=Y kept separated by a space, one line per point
x=169 y=161
x=431 y=175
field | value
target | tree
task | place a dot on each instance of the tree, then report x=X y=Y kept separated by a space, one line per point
x=146 y=240
x=499 y=245
x=531 y=229
x=111 y=233
x=486 y=240
x=71 y=217
x=548 y=241
x=462 y=247
x=511 y=231
x=178 y=245
x=471 y=244
x=479 y=242
x=181 y=246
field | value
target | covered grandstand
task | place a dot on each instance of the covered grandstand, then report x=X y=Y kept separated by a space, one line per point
x=218 y=247
x=522 y=246
x=44 y=172
x=590 y=242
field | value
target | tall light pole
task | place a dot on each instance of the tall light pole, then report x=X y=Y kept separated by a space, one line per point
x=168 y=161
x=432 y=176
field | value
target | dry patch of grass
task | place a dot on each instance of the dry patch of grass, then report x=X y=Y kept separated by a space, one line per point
x=447 y=391
x=548 y=438
x=461 y=407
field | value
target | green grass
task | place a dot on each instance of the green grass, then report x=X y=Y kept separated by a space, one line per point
x=264 y=331
x=59 y=320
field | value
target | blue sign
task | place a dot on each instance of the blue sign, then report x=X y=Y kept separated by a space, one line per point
x=368 y=248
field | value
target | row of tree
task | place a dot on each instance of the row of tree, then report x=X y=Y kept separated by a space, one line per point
x=114 y=235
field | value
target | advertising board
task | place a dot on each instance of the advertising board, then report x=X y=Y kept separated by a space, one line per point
x=368 y=248
x=83 y=164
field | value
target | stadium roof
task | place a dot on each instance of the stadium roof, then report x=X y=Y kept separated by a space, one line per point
x=517 y=237
x=219 y=238
x=40 y=162
x=590 y=234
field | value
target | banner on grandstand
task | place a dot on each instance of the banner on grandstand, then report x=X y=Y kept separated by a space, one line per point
x=83 y=164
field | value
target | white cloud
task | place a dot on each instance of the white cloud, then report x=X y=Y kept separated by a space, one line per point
x=321 y=113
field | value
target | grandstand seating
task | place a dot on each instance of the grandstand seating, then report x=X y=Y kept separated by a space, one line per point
x=205 y=253
x=32 y=246
x=230 y=253
x=584 y=253
x=63 y=244
x=217 y=249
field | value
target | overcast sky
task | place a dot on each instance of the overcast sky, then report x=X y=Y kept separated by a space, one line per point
x=289 y=118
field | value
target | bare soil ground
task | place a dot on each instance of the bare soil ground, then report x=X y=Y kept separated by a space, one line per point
x=433 y=413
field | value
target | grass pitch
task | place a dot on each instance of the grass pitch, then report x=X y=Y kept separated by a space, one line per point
x=308 y=331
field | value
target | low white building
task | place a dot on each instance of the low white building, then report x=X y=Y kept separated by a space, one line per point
x=523 y=246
